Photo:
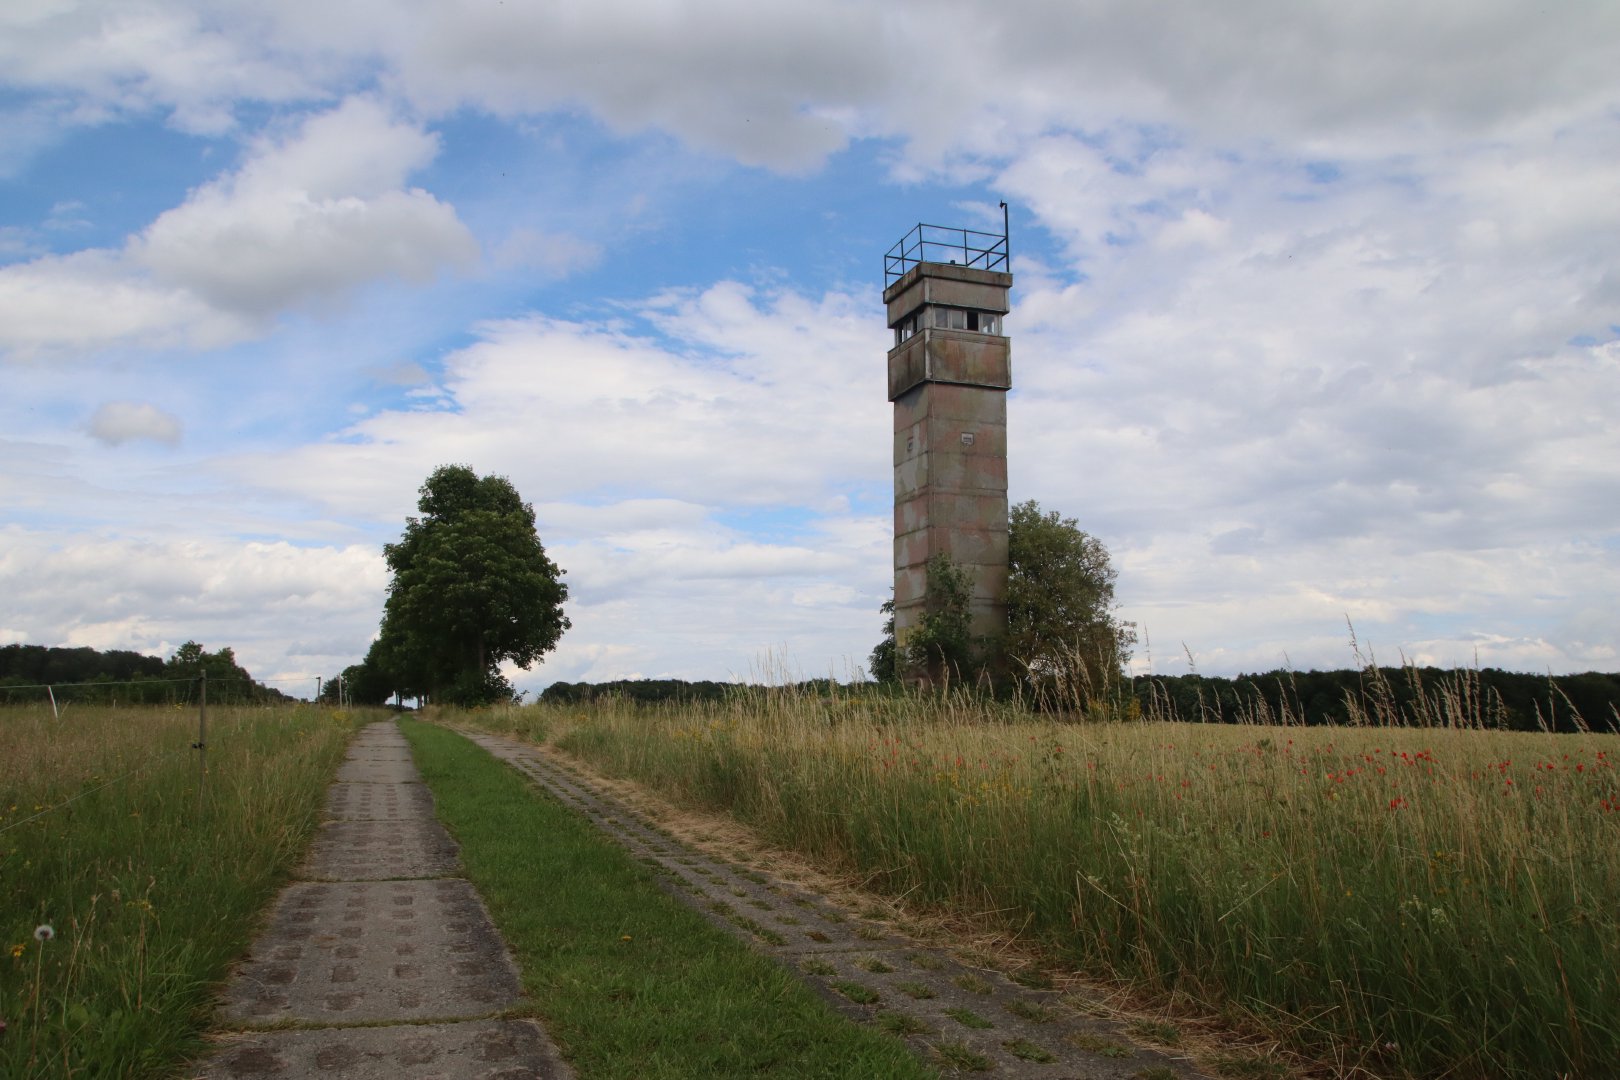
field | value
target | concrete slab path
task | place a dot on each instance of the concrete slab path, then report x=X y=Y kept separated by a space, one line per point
x=379 y=962
x=960 y=1017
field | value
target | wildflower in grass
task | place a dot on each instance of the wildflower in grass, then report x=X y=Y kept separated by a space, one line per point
x=18 y=949
x=44 y=932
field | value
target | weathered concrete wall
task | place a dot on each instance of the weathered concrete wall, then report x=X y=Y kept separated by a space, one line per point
x=952 y=356
x=947 y=284
x=949 y=389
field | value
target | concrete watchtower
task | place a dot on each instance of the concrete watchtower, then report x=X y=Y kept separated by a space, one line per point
x=949 y=373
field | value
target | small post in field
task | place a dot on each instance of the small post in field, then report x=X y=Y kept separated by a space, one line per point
x=202 y=735
x=52 y=694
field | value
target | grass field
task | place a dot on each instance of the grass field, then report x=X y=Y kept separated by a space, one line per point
x=1387 y=901
x=148 y=893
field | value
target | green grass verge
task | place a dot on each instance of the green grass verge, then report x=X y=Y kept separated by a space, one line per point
x=629 y=982
x=148 y=895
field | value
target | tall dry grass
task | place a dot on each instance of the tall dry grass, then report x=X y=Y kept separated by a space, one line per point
x=1420 y=900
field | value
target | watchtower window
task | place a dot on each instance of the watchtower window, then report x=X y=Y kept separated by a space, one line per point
x=908 y=327
x=947 y=318
x=979 y=322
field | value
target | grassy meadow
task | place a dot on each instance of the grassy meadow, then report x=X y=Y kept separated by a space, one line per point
x=1386 y=901
x=148 y=893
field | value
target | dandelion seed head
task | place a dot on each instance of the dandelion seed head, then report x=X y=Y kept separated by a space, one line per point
x=44 y=932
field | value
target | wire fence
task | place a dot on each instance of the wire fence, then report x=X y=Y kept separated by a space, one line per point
x=180 y=692
x=116 y=692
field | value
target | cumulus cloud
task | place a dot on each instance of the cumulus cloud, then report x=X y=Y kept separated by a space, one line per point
x=783 y=86
x=91 y=299
x=695 y=599
x=1369 y=393
x=725 y=396
x=107 y=58
x=123 y=421
x=786 y=85
x=262 y=599
x=306 y=220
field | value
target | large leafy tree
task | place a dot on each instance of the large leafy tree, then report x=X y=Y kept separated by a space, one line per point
x=1062 y=628
x=472 y=587
x=941 y=645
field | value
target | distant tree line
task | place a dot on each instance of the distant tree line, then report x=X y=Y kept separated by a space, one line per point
x=34 y=664
x=639 y=690
x=1487 y=697
x=118 y=675
x=1428 y=696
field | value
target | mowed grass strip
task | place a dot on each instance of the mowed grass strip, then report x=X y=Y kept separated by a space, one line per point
x=149 y=895
x=629 y=982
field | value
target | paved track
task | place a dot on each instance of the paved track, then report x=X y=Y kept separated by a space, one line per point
x=1017 y=1031
x=379 y=962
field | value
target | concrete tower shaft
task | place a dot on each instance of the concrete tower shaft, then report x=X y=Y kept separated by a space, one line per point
x=949 y=373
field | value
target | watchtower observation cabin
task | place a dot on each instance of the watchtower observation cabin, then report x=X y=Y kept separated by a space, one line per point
x=950 y=369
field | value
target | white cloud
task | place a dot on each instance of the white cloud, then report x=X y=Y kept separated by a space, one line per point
x=697 y=600
x=633 y=448
x=123 y=421
x=91 y=300
x=109 y=57
x=726 y=76
x=308 y=219
x=1356 y=397
x=304 y=222
x=784 y=85
x=1195 y=227
x=747 y=400
x=1520 y=608
x=262 y=599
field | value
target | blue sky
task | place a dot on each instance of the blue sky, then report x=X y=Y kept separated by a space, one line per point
x=1314 y=316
